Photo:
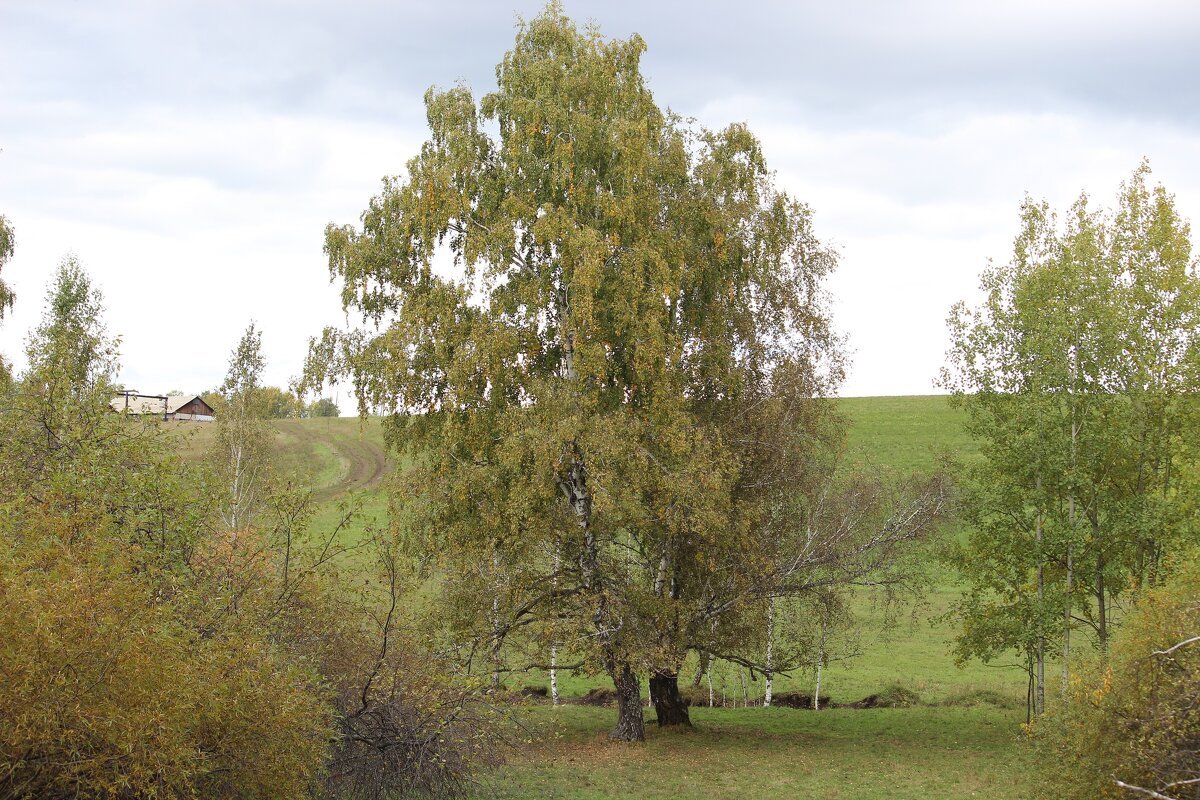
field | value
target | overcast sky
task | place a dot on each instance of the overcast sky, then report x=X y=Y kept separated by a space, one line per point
x=190 y=154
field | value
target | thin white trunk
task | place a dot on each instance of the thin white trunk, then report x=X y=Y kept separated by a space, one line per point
x=1066 y=670
x=769 y=673
x=496 y=634
x=708 y=672
x=745 y=689
x=553 y=674
x=820 y=664
x=554 y=642
x=1066 y=662
x=235 y=490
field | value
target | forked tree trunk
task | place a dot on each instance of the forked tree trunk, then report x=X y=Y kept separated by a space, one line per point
x=631 y=726
x=669 y=705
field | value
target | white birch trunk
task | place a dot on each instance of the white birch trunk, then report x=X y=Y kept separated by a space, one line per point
x=1066 y=670
x=708 y=672
x=769 y=673
x=553 y=674
x=553 y=641
x=496 y=637
x=820 y=664
x=1066 y=664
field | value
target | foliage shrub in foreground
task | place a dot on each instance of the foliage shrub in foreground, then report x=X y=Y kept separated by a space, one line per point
x=106 y=692
x=150 y=649
x=1136 y=720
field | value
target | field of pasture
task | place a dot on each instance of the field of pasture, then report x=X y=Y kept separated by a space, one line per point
x=959 y=738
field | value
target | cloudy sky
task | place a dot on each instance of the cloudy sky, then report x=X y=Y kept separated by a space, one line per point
x=191 y=153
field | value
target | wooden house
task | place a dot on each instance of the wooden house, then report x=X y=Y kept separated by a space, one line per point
x=189 y=407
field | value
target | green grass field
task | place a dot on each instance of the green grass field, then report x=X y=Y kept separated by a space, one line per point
x=961 y=740
x=905 y=434
x=771 y=753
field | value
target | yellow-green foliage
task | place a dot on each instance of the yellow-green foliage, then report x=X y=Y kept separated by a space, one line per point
x=134 y=662
x=163 y=635
x=1135 y=720
x=107 y=692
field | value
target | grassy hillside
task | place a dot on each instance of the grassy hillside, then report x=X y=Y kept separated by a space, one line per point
x=904 y=433
x=343 y=454
x=333 y=455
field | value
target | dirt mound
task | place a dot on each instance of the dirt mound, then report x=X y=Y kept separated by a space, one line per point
x=598 y=697
x=535 y=692
x=797 y=700
x=894 y=696
x=870 y=701
x=694 y=695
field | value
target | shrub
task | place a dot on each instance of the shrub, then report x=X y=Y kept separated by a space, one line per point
x=107 y=693
x=1136 y=720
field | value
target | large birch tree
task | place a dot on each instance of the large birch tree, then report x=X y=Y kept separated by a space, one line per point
x=625 y=288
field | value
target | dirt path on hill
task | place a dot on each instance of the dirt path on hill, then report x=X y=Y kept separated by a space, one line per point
x=367 y=464
x=362 y=463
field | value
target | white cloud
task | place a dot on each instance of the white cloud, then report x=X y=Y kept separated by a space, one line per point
x=192 y=227
x=192 y=154
x=916 y=213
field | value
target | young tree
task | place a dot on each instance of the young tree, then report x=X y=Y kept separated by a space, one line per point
x=1074 y=374
x=279 y=403
x=111 y=683
x=323 y=407
x=242 y=435
x=61 y=402
x=150 y=651
x=630 y=288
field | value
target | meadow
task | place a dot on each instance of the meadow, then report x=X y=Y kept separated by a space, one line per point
x=961 y=737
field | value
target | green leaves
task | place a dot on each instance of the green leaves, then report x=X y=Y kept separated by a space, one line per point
x=1076 y=372
x=587 y=397
x=7 y=246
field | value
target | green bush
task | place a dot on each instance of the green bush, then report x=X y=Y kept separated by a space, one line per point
x=1134 y=720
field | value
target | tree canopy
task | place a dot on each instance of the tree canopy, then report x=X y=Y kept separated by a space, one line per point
x=604 y=346
x=1079 y=374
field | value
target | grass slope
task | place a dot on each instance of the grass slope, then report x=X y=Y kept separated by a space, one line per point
x=905 y=434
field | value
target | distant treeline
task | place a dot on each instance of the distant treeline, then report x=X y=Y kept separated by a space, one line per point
x=276 y=403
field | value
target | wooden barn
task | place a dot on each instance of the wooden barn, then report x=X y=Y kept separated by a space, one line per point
x=188 y=407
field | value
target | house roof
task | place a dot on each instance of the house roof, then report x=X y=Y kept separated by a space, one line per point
x=178 y=401
x=154 y=404
x=138 y=403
